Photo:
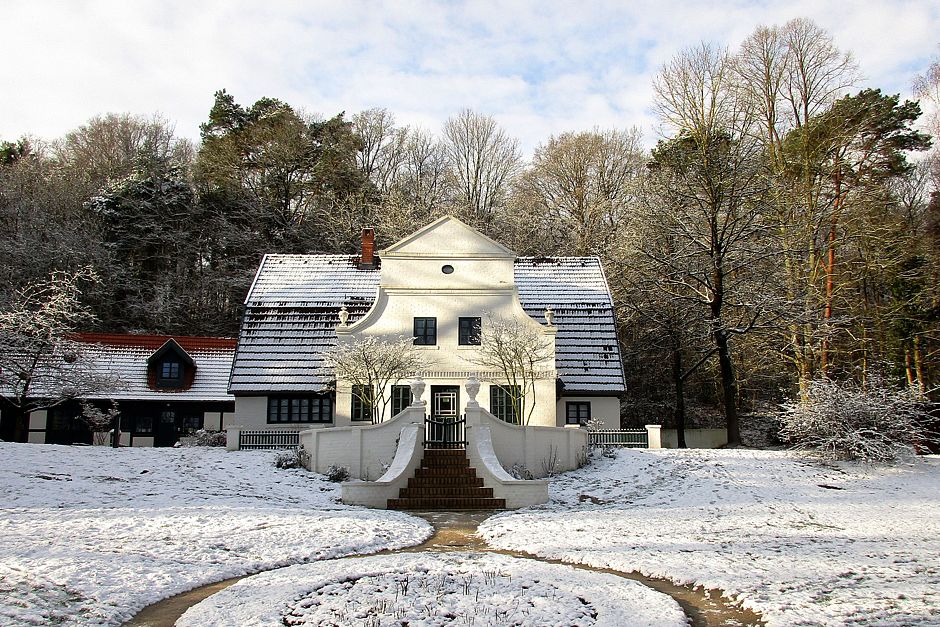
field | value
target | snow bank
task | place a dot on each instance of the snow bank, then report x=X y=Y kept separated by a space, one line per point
x=92 y=535
x=434 y=589
x=800 y=543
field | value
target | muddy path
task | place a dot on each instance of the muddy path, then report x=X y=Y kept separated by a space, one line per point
x=456 y=532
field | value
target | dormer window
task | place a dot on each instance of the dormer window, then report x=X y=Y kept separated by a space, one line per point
x=170 y=368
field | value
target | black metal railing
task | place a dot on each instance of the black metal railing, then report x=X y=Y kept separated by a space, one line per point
x=445 y=431
x=248 y=440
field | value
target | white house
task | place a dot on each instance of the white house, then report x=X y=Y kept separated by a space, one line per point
x=440 y=286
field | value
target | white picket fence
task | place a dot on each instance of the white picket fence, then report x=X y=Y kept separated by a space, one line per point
x=258 y=439
x=626 y=438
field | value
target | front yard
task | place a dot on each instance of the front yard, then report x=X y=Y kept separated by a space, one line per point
x=91 y=535
x=797 y=542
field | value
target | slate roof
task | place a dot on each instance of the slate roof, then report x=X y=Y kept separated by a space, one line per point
x=124 y=356
x=587 y=355
x=292 y=311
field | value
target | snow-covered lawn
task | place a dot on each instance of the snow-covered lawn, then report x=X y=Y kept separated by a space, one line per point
x=434 y=589
x=800 y=543
x=91 y=535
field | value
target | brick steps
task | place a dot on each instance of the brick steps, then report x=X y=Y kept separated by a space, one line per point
x=446 y=481
x=446 y=503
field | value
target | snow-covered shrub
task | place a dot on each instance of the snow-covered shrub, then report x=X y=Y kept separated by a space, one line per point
x=337 y=474
x=208 y=438
x=842 y=421
x=100 y=421
x=519 y=471
x=595 y=424
x=291 y=458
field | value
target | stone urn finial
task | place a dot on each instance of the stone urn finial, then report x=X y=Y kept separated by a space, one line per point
x=473 y=388
x=343 y=316
x=417 y=391
x=550 y=316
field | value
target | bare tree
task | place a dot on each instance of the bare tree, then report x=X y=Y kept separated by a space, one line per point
x=110 y=147
x=383 y=150
x=790 y=74
x=373 y=364
x=927 y=87
x=41 y=366
x=483 y=159
x=512 y=354
x=710 y=179
x=578 y=191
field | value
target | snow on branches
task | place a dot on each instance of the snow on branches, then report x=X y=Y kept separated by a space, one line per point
x=841 y=420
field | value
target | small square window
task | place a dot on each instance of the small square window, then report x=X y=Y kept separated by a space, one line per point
x=425 y=331
x=577 y=412
x=170 y=370
x=469 y=331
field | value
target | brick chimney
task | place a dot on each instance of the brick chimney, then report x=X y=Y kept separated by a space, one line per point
x=367 y=258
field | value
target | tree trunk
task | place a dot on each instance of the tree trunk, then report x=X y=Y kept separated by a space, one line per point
x=729 y=386
x=20 y=422
x=679 y=383
x=919 y=367
x=830 y=272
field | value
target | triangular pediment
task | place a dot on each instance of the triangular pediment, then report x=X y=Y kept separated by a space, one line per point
x=447 y=237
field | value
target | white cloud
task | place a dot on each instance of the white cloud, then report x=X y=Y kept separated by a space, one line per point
x=540 y=68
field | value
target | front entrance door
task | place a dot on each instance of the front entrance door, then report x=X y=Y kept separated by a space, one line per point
x=445 y=401
x=165 y=433
x=444 y=427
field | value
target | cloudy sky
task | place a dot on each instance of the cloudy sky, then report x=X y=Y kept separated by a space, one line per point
x=538 y=67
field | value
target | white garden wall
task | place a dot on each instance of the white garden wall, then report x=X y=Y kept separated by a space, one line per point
x=696 y=438
x=536 y=449
x=366 y=451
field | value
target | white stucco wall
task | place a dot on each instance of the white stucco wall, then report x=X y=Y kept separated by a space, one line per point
x=216 y=420
x=251 y=412
x=605 y=408
x=533 y=447
x=37 y=419
x=366 y=451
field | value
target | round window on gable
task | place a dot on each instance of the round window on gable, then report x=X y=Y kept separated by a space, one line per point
x=448 y=269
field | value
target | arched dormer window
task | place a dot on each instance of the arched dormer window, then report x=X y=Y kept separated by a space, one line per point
x=170 y=368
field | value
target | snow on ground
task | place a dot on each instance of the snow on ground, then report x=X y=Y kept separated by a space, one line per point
x=434 y=589
x=90 y=535
x=800 y=543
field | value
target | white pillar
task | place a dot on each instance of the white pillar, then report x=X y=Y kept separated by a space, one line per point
x=654 y=436
x=231 y=437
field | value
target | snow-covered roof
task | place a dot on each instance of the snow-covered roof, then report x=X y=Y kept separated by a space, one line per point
x=124 y=356
x=587 y=355
x=292 y=311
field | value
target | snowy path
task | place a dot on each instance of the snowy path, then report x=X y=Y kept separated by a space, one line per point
x=92 y=535
x=796 y=542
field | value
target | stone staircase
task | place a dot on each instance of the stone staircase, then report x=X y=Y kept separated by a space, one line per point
x=445 y=481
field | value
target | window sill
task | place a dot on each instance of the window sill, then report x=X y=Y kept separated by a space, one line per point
x=428 y=347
